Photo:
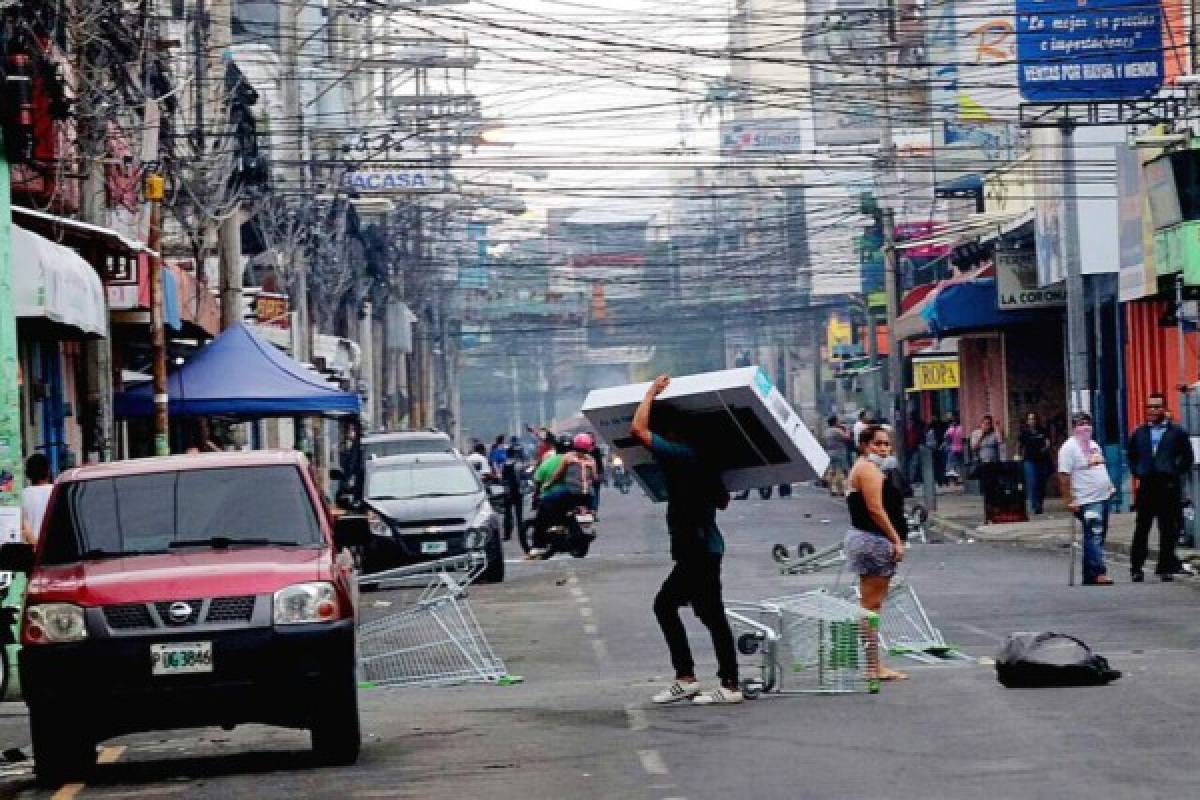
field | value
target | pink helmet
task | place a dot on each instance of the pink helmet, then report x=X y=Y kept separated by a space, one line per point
x=583 y=442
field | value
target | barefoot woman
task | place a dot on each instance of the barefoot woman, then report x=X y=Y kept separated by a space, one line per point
x=873 y=545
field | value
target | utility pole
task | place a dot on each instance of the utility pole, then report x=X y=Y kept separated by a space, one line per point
x=1079 y=392
x=91 y=209
x=888 y=222
x=229 y=229
x=158 y=338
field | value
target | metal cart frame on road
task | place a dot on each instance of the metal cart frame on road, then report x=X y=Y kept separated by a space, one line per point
x=434 y=641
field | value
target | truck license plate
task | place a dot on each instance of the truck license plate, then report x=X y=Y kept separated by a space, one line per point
x=433 y=548
x=179 y=658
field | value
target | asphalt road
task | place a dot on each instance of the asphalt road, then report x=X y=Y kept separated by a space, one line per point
x=581 y=634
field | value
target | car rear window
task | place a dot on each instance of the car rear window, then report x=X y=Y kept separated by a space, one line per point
x=415 y=445
x=146 y=513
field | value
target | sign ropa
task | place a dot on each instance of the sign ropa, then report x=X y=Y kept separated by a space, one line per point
x=393 y=180
x=935 y=374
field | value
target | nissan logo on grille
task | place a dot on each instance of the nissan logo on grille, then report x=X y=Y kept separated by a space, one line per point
x=179 y=612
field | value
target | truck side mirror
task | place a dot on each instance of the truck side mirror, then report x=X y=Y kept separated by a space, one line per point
x=16 y=557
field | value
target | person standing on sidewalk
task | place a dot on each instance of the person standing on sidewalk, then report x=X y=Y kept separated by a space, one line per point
x=987 y=444
x=1087 y=490
x=954 y=440
x=1160 y=457
x=35 y=497
x=694 y=493
x=1035 y=458
x=837 y=443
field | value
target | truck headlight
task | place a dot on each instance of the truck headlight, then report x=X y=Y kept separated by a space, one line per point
x=49 y=623
x=306 y=602
x=378 y=525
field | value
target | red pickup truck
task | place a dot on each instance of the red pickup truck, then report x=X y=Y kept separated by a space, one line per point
x=187 y=591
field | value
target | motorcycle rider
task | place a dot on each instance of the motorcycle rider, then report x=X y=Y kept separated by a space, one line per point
x=568 y=486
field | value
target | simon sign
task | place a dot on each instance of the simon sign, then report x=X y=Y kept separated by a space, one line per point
x=761 y=136
x=396 y=179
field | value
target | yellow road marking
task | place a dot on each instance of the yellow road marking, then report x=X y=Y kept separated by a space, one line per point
x=107 y=756
x=110 y=754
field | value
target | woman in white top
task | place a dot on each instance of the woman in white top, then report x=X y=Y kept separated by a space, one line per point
x=35 y=497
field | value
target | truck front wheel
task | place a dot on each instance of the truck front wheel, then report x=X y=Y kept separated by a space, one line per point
x=63 y=749
x=336 y=731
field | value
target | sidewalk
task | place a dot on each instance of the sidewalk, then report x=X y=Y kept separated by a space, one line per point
x=962 y=516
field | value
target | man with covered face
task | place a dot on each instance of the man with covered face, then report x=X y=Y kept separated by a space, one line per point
x=1087 y=489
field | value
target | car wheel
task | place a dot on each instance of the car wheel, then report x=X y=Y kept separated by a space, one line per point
x=336 y=731
x=62 y=751
x=494 y=550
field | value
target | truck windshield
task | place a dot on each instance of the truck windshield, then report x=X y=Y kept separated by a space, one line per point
x=139 y=514
x=406 y=481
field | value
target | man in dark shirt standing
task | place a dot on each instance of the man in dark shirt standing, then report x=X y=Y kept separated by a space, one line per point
x=694 y=493
x=1160 y=457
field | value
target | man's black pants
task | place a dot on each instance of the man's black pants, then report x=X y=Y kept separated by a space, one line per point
x=514 y=513
x=1158 y=498
x=696 y=581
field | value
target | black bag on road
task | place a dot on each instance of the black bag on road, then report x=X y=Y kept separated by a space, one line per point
x=1037 y=660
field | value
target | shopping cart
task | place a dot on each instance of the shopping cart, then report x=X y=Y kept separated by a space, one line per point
x=916 y=516
x=905 y=628
x=434 y=641
x=807 y=559
x=810 y=643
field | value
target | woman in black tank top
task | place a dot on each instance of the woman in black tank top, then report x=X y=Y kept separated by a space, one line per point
x=873 y=545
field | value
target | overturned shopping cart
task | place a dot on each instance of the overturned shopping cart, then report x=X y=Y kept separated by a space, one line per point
x=436 y=639
x=807 y=559
x=811 y=643
x=905 y=628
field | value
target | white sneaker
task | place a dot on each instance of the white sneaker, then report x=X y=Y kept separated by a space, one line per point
x=677 y=691
x=718 y=697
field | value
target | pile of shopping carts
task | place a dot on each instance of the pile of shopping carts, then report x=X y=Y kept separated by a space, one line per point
x=811 y=643
x=435 y=638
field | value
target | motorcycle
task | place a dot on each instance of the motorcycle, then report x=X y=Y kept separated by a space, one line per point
x=579 y=530
x=620 y=477
x=573 y=535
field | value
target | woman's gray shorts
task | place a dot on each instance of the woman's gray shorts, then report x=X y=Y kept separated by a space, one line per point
x=869 y=554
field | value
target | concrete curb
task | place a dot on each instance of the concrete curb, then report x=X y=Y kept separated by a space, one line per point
x=1039 y=540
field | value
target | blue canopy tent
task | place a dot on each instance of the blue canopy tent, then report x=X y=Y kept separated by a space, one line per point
x=240 y=375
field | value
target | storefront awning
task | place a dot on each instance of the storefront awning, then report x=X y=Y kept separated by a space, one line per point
x=967 y=306
x=53 y=282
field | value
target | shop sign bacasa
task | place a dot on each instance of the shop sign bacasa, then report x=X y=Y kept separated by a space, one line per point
x=1017 y=283
x=935 y=374
x=397 y=179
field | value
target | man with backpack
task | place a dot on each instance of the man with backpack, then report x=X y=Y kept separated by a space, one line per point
x=694 y=493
